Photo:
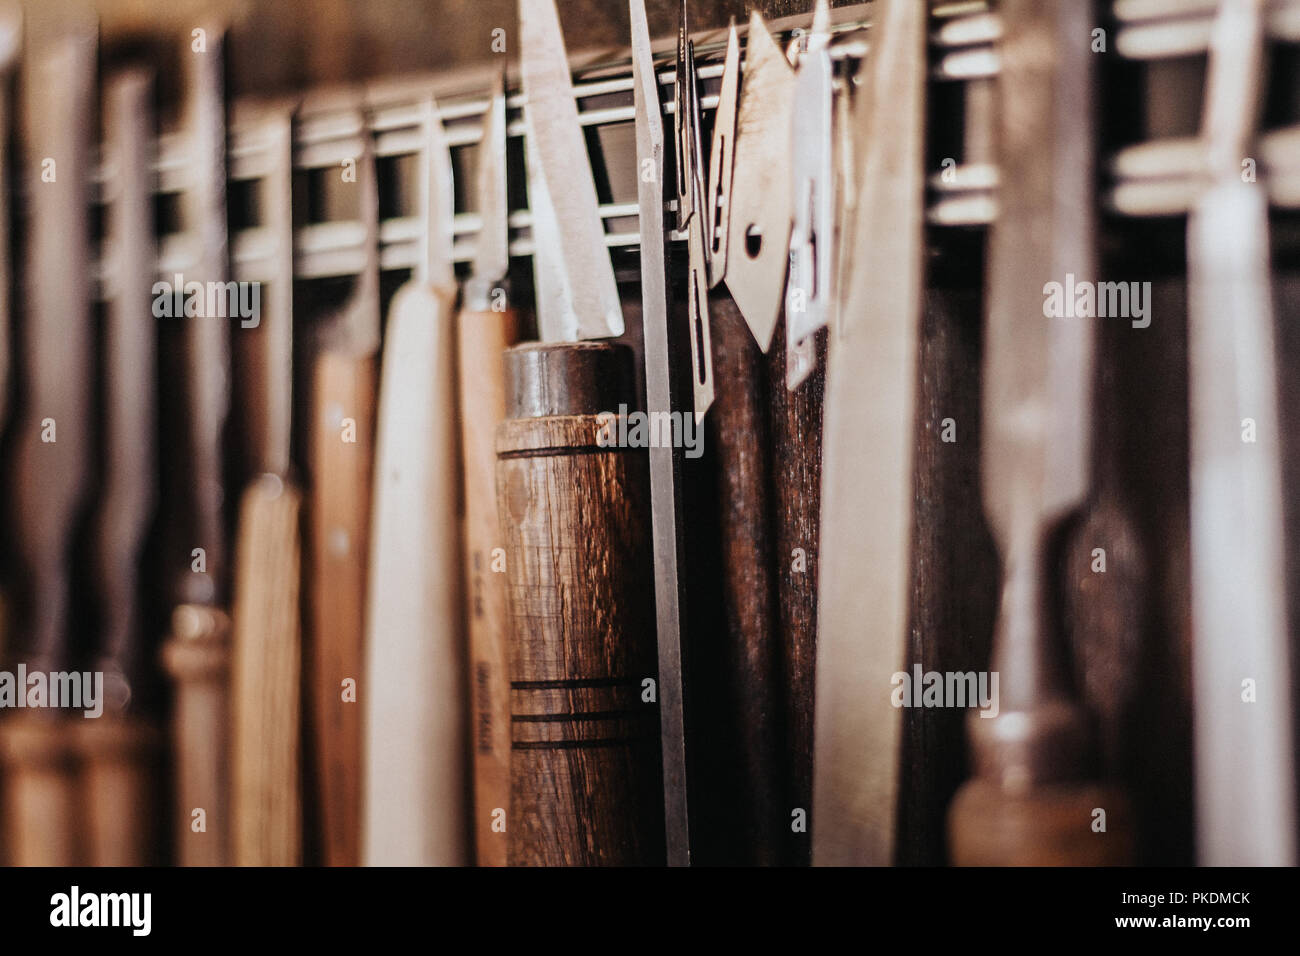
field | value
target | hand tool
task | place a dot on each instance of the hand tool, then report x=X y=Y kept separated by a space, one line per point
x=810 y=288
x=665 y=461
x=344 y=386
x=1031 y=800
x=585 y=772
x=487 y=326
x=585 y=763
x=760 y=211
x=562 y=191
x=866 y=498
x=416 y=785
x=722 y=161
x=197 y=653
x=1245 y=780
x=266 y=654
x=119 y=750
x=52 y=461
x=694 y=218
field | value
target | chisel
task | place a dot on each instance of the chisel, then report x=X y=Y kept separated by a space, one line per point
x=1032 y=799
x=586 y=782
x=416 y=775
x=119 y=750
x=1245 y=780
x=197 y=654
x=486 y=327
x=344 y=387
x=864 y=583
x=266 y=653
x=52 y=461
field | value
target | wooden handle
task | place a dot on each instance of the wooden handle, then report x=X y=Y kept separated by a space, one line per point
x=482 y=338
x=265 y=677
x=416 y=784
x=41 y=807
x=585 y=768
x=796 y=454
x=1054 y=825
x=119 y=773
x=197 y=657
x=342 y=452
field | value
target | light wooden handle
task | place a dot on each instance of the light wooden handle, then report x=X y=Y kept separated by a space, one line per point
x=482 y=337
x=119 y=773
x=41 y=807
x=197 y=656
x=342 y=452
x=415 y=801
x=265 y=679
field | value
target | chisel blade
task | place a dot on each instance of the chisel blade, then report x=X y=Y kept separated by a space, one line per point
x=491 y=253
x=722 y=160
x=664 y=466
x=580 y=300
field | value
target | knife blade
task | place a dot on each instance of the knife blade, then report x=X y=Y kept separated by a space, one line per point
x=1245 y=783
x=865 y=540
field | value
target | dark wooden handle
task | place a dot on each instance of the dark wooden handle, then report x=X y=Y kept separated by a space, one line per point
x=342 y=451
x=585 y=768
x=482 y=338
x=42 y=822
x=119 y=773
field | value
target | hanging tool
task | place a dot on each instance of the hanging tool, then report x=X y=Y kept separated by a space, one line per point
x=197 y=654
x=811 y=289
x=864 y=582
x=1031 y=800
x=52 y=461
x=760 y=208
x=266 y=807
x=585 y=771
x=1245 y=780
x=118 y=751
x=722 y=161
x=344 y=386
x=694 y=218
x=665 y=460
x=486 y=328
x=416 y=783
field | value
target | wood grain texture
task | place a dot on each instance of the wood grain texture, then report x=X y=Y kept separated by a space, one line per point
x=796 y=452
x=416 y=783
x=119 y=765
x=481 y=339
x=42 y=823
x=585 y=759
x=197 y=658
x=342 y=454
x=266 y=808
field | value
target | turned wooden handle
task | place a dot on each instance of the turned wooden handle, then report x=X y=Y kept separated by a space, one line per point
x=119 y=770
x=416 y=777
x=585 y=767
x=482 y=338
x=197 y=657
x=342 y=452
x=1050 y=825
x=265 y=678
x=42 y=818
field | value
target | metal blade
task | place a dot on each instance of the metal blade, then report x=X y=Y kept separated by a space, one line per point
x=664 y=464
x=491 y=252
x=584 y=296
x=760 y=193
x=810 y=289
x=698 y=229
x=722 y=159
x=1244 y=771
x=864 y=586
x=436 y=263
